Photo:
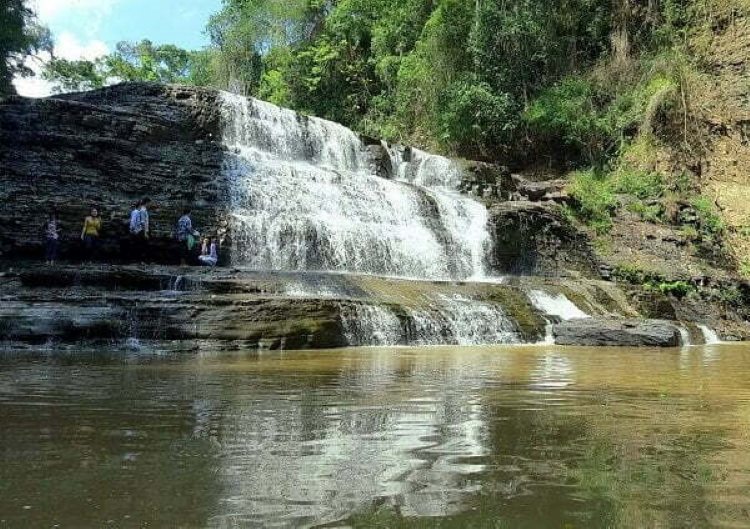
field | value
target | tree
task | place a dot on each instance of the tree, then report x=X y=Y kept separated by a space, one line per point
x=142 y=61
x=20 y=37
x=245 y=32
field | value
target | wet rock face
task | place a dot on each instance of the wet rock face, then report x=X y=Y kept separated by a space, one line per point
x=488 y=181
x=533 y=238
x=109 y=148
x=554 y=190
x=620 y=333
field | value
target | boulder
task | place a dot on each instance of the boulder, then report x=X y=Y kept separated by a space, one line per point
x=597 y=332
x=488 y=181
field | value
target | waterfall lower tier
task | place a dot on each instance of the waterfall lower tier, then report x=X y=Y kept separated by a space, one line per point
x=452 y=321
x=556 y=305
x=709 y=335
x=303 y=199
x=246 y=309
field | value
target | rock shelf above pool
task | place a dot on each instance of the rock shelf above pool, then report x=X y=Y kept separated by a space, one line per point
x=275 y=310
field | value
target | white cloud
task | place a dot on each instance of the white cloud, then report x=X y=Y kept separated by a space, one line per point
x=67 y=46
x=48 y=10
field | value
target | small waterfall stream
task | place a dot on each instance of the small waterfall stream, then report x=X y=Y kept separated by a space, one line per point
x=558 y=306
x=709 y=335
x=453 y=320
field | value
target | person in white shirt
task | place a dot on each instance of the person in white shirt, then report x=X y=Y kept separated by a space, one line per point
x=140 y=229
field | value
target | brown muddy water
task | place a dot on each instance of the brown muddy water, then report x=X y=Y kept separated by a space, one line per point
x=522 y=437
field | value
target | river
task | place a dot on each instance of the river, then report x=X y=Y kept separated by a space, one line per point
x=500 y=437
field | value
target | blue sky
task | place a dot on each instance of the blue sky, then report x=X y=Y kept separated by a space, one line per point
x=86 y=29
x=178 y=22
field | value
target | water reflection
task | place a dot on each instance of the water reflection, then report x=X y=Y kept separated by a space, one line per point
x=484 y=437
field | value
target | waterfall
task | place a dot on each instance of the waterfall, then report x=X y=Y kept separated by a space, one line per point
x=709 y=335
x=461 y=321
x=453 y=320
x=684 y=336
x=558 y=305
x=370 y=325
x=302 y=199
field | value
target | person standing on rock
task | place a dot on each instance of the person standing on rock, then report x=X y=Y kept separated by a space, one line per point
x=92 y=226
x=52 y=237
x=140 y=229
x=186 y=236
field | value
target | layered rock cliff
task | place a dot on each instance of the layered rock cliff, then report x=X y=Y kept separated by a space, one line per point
x=111 y=147
x=108 y=149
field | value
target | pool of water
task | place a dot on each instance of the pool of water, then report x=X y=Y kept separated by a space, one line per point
x=514 y=437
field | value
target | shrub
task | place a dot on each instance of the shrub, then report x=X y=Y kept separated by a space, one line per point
x=568 y=111
x=678 y=289
x=710 y=222
x=653 y=213
x=473 y=119
x=640 y=184
x=594 y=200
x=630 y=273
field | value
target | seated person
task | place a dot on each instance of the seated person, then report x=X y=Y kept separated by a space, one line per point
x=209 y=255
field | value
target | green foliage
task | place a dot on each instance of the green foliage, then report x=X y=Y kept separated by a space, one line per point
x=568 y=112
x=635 y=275
x=710 y=223
x=640 y=184
x=730 y=295
x=593 y=119
x=678 y=289
x=745 y=268
x=473 y=118
x=142 y=61
x=274 y=88
x=73 y=76
x=520 y=46
x=20 y=37
x=689 y=232
x=594 y=199
x=649 y=212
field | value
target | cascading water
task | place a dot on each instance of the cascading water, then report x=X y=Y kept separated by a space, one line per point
x=709 y=335
x=684 y=336
x=558 y=305
x=303 y=199
x=453 y=320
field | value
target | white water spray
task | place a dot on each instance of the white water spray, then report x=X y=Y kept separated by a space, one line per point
x=302 y=199
x=453 y=320
x=709 y=335
x=684 y=336
x=556 y=305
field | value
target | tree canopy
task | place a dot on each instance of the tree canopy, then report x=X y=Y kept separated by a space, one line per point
x=478 y=78
x=20 y=37
x=142 y=61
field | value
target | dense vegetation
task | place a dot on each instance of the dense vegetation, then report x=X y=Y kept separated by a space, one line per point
x=575 y=80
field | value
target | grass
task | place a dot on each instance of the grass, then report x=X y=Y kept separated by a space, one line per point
x=653 y=213
x=595 y=201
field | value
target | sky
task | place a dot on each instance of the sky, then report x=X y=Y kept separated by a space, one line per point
x=86 y=29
